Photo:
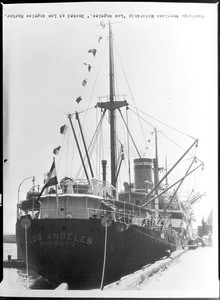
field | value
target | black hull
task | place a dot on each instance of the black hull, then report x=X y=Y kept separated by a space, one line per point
x=72 y=250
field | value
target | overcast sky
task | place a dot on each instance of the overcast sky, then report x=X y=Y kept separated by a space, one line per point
x=171 y=69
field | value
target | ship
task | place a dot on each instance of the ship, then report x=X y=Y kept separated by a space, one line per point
x=86 y=233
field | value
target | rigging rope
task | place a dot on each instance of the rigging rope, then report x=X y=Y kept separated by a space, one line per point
x=148 y=124
x=169 y=187
x=62 y=147
x=104 y=258
x=141 y=118
x=129 y=162
x=96 y=78
x=163 y=133
x=90 y=101
x=174 y=142
x=190 y=177
x=93 y=141
x=165 y=123
x=132 y=97
x=82 y=111
x=129 y=133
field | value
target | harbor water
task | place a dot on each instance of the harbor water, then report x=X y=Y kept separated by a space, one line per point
x=16 y=278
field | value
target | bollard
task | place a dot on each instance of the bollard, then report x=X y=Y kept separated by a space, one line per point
x=9 y=257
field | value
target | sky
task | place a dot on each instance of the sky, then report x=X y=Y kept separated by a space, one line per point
x=171 y=74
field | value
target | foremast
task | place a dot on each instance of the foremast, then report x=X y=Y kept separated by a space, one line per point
x=112 y=105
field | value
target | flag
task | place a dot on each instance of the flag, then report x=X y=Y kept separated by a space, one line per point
x=89 y=67
x=84 y=82
x=63 y=129
x=102 y=24
x=93 y=51
x=78 y=99
x=56 y=150
x=51 y=179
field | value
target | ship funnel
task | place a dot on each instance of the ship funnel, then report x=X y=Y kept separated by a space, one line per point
x=142 y=174
x=104 y=163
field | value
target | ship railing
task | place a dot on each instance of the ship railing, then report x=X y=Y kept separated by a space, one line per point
x=73 y=213
x=116 y=216
x=30 y=213
x=92 y=187
x=63 y=213
x=87 y=213
x=96 y=213
x=120 y=216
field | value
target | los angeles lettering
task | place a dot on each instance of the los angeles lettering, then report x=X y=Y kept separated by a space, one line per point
x=54 y=238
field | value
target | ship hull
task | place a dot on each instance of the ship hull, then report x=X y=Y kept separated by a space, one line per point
x=72 y=250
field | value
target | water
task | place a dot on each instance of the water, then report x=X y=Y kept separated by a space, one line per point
x=16 y=279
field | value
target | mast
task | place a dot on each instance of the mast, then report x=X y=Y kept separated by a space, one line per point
x=168 y=188
x=112 y=111
x=148 y=195
x=156 y=176
x=112 y=105
x=156 y=173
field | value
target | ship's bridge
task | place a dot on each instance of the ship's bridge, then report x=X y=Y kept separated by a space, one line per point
x=83 y=186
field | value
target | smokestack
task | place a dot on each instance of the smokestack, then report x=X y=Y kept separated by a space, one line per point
x=104 y=163
x=142 y=173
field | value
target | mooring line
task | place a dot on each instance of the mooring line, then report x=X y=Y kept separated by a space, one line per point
x=104 y=260
x=26 y=256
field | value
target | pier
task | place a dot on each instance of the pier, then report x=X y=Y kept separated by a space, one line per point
x=186 y=273
x=190 y=273
x=14 y=263
x=9 y=238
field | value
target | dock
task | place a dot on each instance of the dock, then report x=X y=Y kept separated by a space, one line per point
x=9 y=238
x=191 y=273
x=14 y=263
x=186 y=273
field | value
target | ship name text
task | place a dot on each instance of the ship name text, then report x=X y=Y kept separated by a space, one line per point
x=60 y=239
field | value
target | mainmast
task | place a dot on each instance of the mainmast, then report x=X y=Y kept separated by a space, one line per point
x=112 y=111
x=112 y=105
x=156 y=175
x=156 y=171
